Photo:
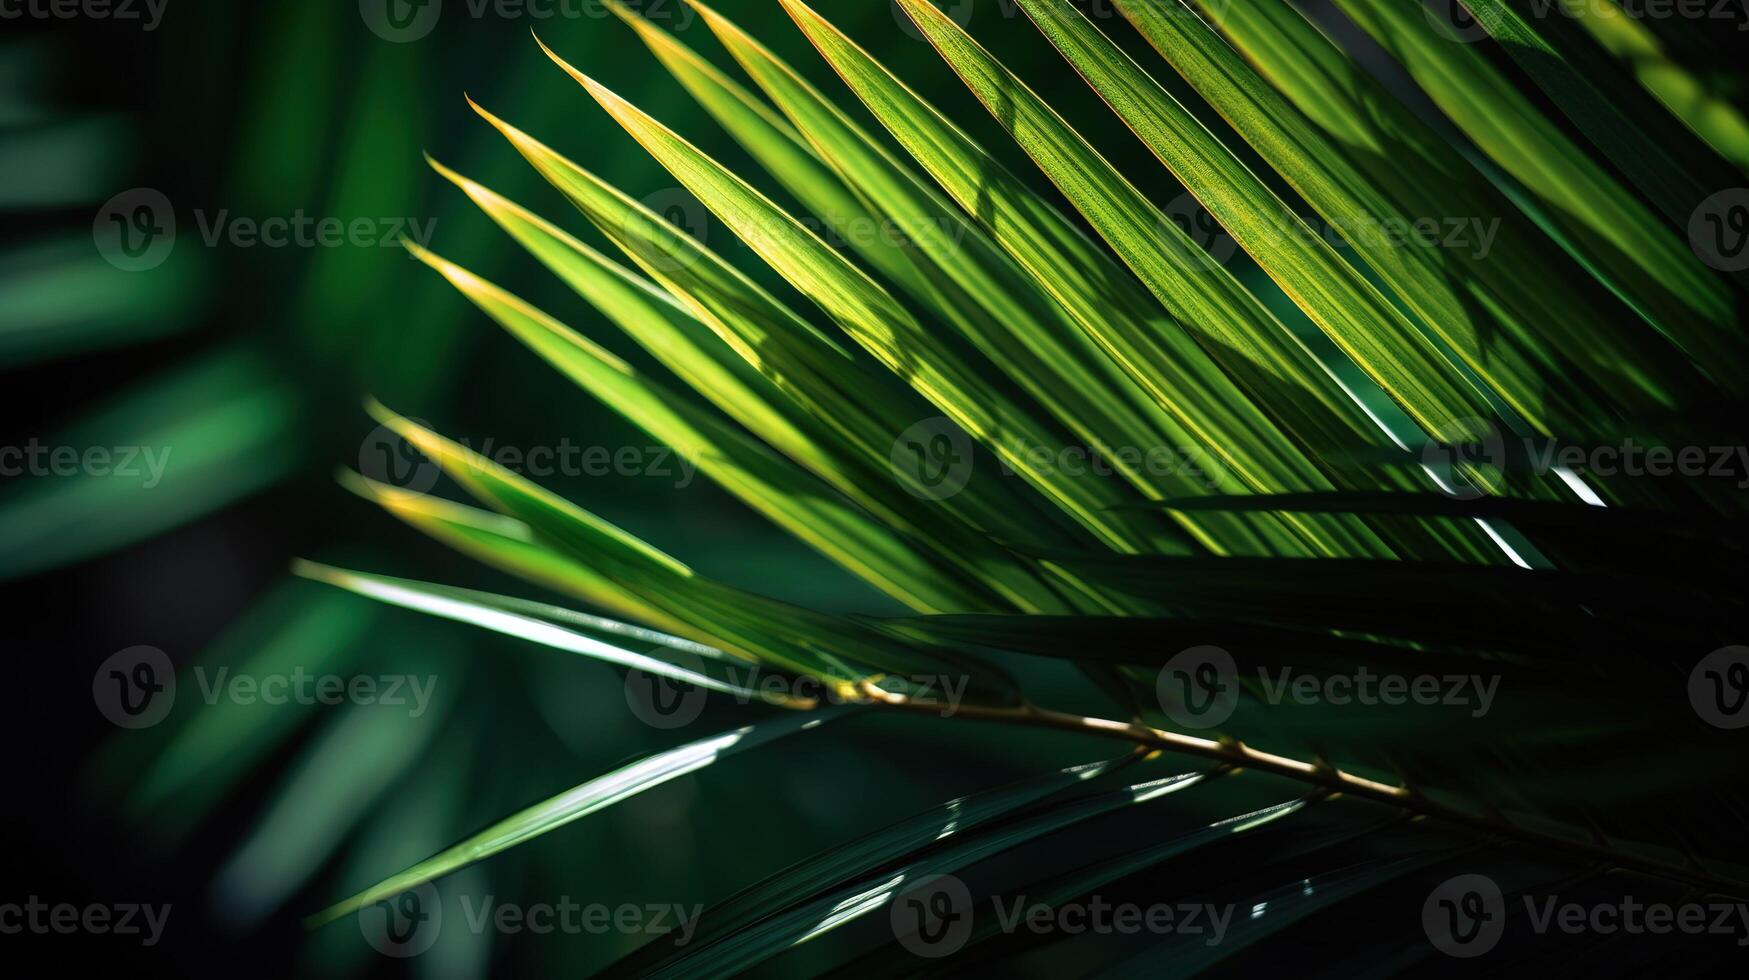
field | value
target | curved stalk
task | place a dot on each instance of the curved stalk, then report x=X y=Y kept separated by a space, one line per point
x=1238 y=755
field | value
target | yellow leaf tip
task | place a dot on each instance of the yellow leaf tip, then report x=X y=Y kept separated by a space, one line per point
x=797 y=9
x=550 y=53
x=601 y=92
x=435 y=164
x=353 y=481
x=706 y=11
x=469 y=186
x=377 y=410
x=486 y=114
x=314 y=571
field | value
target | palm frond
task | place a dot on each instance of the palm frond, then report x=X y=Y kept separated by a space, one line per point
x=1333 y=521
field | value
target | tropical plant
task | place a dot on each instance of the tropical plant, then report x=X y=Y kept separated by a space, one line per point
x=1369 y=418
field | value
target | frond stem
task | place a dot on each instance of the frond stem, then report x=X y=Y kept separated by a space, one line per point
x=1238 y=755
